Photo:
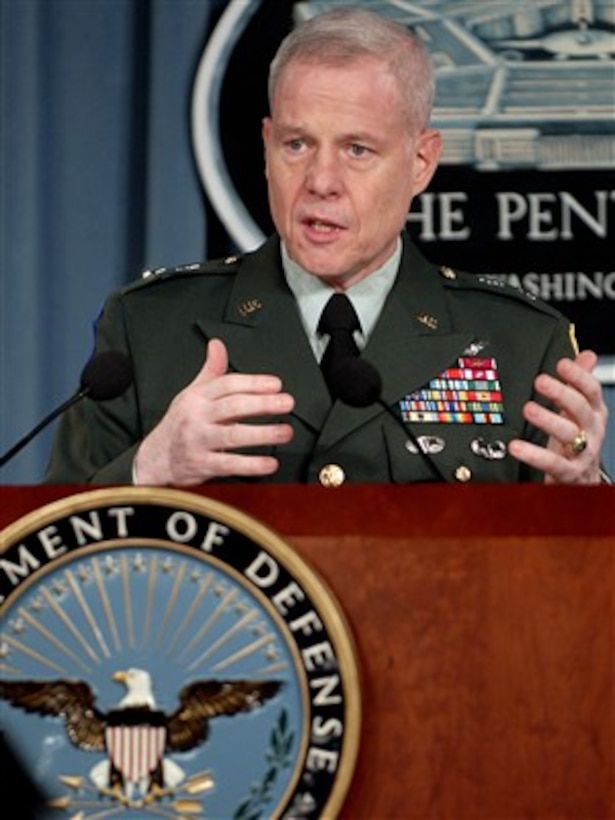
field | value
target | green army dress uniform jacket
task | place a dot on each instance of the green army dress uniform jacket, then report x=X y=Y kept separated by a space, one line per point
x=434 y=321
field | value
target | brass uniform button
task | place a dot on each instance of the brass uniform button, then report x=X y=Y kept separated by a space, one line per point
x=332 y=475
x=463 y=474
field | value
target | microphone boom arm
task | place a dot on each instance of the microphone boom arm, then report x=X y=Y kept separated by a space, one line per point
x=40 y=426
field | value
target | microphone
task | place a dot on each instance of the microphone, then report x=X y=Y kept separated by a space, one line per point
x=357 y=383
x=106 y=376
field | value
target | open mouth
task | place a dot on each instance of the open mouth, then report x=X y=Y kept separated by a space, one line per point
x=322 y=227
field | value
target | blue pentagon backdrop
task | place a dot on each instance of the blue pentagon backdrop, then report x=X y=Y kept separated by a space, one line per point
x=525 y=100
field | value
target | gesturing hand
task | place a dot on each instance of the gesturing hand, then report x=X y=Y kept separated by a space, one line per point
x=576 y=433
x=197 y=438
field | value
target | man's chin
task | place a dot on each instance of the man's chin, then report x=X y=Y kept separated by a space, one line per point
x=321 y=263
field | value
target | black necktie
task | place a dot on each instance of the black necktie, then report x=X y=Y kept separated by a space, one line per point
x=339 y=320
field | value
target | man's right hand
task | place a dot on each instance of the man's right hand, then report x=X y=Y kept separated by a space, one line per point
x=197 y=438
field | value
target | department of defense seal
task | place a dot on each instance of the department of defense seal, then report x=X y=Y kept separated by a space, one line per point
x=165 y=655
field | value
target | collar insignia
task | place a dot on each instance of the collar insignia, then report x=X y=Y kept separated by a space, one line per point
x=249 y=306
x=429 y=321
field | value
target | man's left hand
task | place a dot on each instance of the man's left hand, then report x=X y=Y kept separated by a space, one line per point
x=576 y=433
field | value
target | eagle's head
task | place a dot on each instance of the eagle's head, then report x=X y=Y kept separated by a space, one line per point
x=139 y=688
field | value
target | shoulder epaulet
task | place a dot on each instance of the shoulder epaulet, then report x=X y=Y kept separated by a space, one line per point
x=225 y=265
x=495 y=284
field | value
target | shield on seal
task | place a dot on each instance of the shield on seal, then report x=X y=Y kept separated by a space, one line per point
x=136 y=746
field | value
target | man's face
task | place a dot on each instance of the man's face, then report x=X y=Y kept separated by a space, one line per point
x=342 y=166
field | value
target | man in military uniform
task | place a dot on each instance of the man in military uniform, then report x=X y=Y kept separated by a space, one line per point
x=479 y=382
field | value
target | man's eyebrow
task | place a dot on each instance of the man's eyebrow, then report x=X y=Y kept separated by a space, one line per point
x=287 y=125
x=349 y=136
x=360 y=136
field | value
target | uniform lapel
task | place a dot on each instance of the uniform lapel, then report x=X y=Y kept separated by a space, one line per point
x=414 y=339
x=261 y=323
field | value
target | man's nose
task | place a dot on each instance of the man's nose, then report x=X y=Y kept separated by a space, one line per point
x=324 y=174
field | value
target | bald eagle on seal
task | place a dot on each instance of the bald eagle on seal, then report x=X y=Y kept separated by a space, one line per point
x=137 y=722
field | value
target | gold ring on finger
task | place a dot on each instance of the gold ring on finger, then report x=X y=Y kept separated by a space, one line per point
x=578 y=443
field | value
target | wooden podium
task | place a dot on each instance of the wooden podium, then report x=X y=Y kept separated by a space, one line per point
x=484 y=620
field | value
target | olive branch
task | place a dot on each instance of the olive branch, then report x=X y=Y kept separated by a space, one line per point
x=277 y=757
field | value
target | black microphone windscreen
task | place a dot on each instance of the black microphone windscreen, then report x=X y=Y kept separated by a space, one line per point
x=357 y=382
x=106 y=376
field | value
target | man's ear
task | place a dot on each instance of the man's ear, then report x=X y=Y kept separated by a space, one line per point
x=266 y=128
x=427 y=152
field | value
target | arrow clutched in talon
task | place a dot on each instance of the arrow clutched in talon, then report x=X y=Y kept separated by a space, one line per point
x=159 y=794
x=201 y=782
x=72 y=781
x=188 y=806
x=117 y=794
x=66 y=802
x=76 y=783
x=198 y=783
x=60 y=802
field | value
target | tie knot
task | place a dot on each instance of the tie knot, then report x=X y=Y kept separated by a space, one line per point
x=338 y=315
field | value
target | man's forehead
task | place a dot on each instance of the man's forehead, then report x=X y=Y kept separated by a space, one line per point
x=346 y=112
x=341 y=82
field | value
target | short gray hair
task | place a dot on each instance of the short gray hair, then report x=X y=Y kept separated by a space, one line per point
x=343 y=35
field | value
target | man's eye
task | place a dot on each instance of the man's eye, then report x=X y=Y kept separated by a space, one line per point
x=295 y=144
x=357 y=150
